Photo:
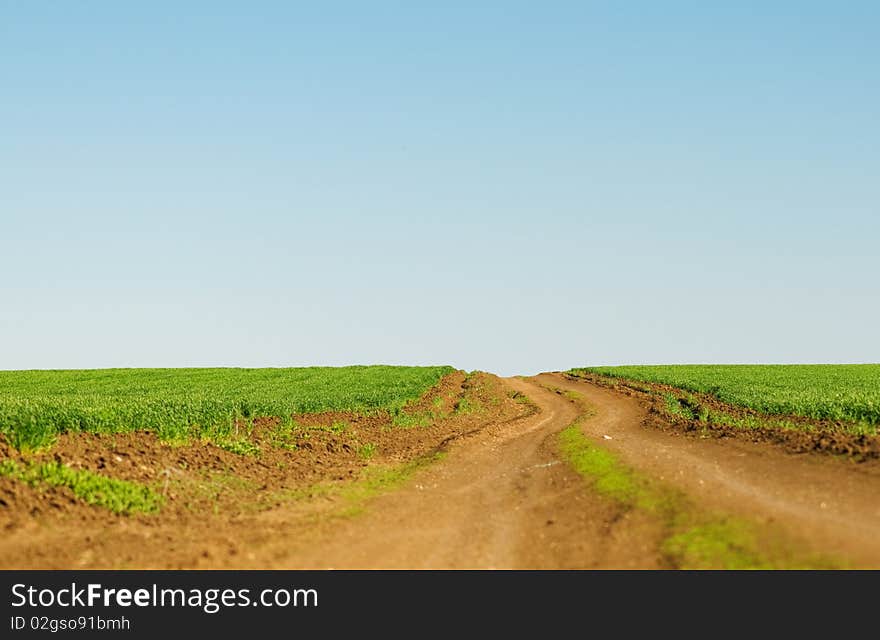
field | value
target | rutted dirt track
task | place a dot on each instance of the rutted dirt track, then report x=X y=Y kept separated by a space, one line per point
x=503 y=498
x=500 y=498
x=827 y=504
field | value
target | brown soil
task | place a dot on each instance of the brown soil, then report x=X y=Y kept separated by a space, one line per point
x=500 y=498
x=213 y=495
x=823 y=503
x=796 y=434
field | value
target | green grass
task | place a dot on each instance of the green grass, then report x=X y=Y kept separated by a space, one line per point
x=367 y=451
x=382 y=479
x=848 y=393
x=726 y=543
x=608 y=476
x=119 y=496
x=465 y=405
x=283 y=434
x=351 y=497
x=179 y=404
x=239 y=446
x=414 y=420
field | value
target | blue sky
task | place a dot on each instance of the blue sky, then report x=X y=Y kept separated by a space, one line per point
x=507 y=186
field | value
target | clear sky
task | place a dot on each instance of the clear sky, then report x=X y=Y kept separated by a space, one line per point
x=508 y=186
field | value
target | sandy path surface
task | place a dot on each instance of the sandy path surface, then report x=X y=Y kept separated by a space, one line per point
x=502 y=498
x=831 y=505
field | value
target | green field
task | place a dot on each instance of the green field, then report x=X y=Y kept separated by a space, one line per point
x=848 y=392
x=178 y=404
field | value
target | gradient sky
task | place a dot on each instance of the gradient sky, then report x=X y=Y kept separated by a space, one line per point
x=505 y=186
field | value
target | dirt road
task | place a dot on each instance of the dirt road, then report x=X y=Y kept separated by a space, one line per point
x=503 y=499
x=830 y=505
x=500 y=498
